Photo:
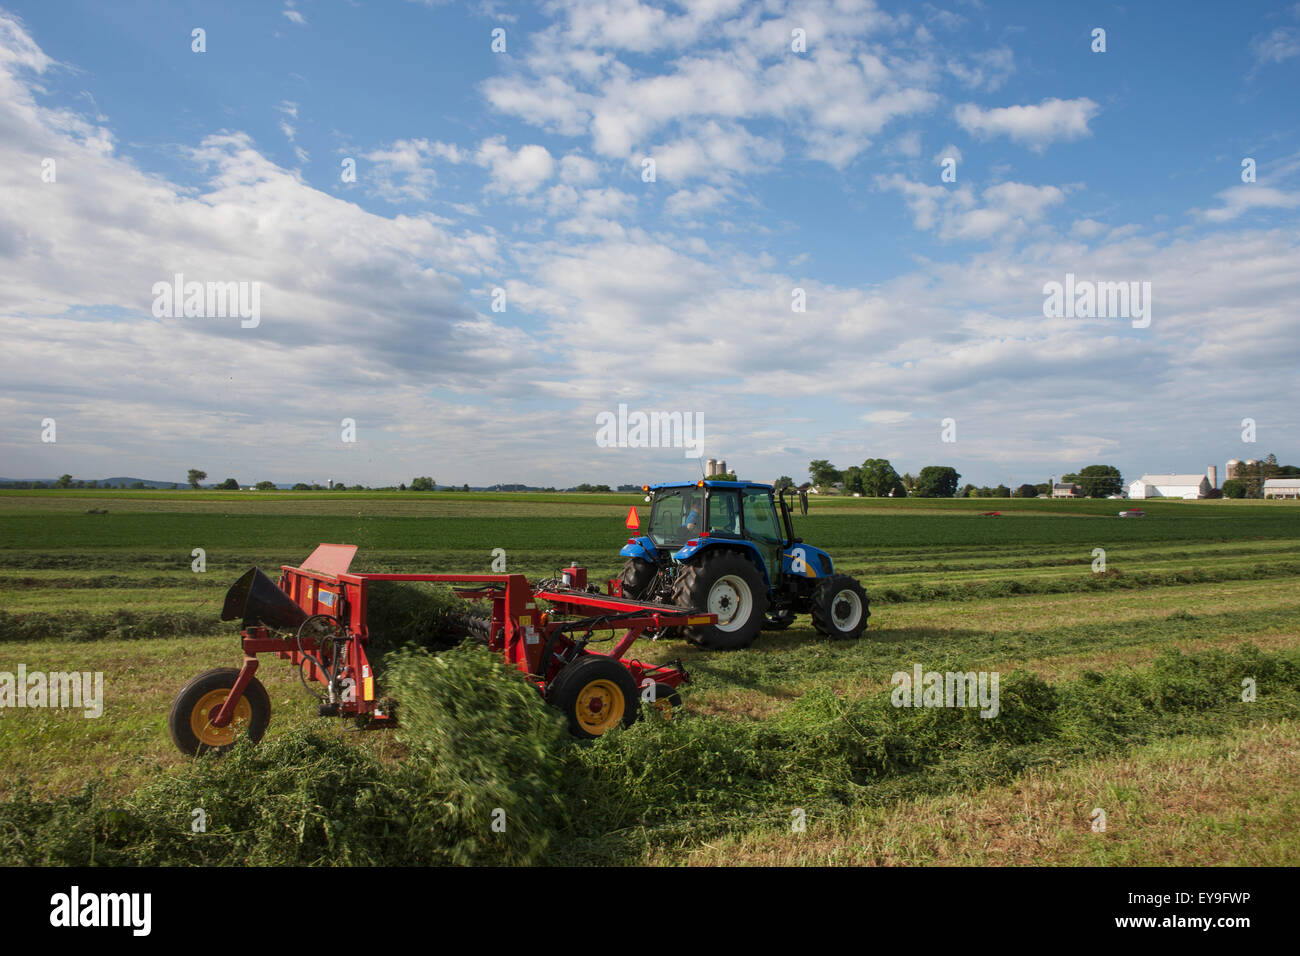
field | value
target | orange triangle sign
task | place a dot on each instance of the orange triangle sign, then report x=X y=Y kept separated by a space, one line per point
x=632 y=520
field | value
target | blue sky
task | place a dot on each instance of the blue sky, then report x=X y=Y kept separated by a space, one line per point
x=521 y=170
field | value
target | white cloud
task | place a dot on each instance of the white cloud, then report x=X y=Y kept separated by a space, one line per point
x=1037 y=127
x=1000 y=211
x=516 y=172
x=1240 y=199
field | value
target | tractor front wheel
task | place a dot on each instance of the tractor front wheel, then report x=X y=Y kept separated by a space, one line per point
x=190 y=720
x=727 y=584
x=840 y=608
x=595 y=693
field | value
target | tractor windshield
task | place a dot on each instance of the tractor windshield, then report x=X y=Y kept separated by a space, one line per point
x=675 y=516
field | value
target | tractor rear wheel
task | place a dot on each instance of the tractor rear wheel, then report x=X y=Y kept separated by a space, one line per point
x=727 y=584
x=190 y=720
x=636 y=577
x=840 y=608
x=595 y=693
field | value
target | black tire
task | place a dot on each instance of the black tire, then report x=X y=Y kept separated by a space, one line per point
x=186 y=720
x=636 y=577
x=595 y=679
x=840 y=607
x=698 y=581
x=778 y=620
x=663 y=699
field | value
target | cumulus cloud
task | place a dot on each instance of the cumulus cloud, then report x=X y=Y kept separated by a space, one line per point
x=518 y=171
x=1052 y=120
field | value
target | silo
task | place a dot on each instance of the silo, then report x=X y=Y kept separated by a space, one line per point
x=1234 y=465
x=711 y=468
x=1213 y=474
x=722 y=467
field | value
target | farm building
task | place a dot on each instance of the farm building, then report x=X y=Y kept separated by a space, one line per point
x=1066 y=489
x=1282 y=487
x=1170 y=486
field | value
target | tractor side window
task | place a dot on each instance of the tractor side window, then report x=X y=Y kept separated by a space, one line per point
x=724 y=513
x=760 y=516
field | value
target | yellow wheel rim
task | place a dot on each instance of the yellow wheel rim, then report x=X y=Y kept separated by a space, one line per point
x=200 y=722
x=600 y=706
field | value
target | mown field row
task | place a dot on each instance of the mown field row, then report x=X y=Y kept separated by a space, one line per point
x=1102 y=713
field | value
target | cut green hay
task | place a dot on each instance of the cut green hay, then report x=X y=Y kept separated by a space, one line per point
x=406 y=614
x=691 y=780
x=80 y=625
x=479 y=786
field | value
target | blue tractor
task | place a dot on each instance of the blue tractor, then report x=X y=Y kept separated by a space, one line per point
x=719 y=547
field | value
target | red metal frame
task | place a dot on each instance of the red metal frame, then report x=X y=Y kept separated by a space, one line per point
x=519 y=630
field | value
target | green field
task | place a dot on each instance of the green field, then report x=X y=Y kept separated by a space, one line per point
x=1187 y=771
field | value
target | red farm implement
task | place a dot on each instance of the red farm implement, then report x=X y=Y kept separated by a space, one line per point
x=323 y=605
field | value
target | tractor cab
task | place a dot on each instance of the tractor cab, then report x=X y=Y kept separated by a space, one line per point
x=728 y=547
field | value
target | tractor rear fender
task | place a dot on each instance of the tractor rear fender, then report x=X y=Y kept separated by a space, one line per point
x=643 y=547
x=804 y=561
x=747 y=548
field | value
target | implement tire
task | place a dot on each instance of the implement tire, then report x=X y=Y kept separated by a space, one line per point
x=595 y=693
x=188 y=721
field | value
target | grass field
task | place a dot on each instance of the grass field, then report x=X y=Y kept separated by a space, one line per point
x=1141 y=665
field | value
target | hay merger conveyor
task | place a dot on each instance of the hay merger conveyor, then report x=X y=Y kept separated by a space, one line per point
x=323 y=605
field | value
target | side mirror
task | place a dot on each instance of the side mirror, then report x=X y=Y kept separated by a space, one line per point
x=803 y=502
x=647 y=497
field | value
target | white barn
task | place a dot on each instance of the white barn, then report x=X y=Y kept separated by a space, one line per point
x=1170 y=486
x=1282 y=487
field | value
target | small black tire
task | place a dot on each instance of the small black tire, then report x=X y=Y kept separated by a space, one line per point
x=595 y=693
x=188 y=721
x=636 y=577
x=699 y=580
x=778 y=620
x=662 y=698
x=840 y=607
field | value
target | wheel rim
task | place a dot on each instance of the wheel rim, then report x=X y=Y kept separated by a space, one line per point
x=846 y=610
x=201 y=722
x=600 y=706
x=729 y=599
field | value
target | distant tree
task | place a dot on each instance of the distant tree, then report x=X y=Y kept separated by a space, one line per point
x=1027 y=491
x=138 y=486
x=1044 y=489
x=402 y=486
x=785 y=481
x=358 y=487
x=823 y=473
x=967 y=491
x=265 y=486
x=196 y=476
x=725 y=476
x=587 y=489
x=422 y=484
x=879 y=480
x=1098 y=481
x=1001 y=491
x=937 y=481
x=302 y=486
x=465 y=487
x=63 y=482
x=228 y=485
x=174 y=486
x=909 y=482
x=341 y=484
x=1234 y=488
